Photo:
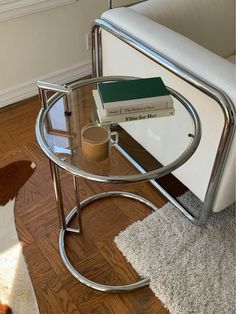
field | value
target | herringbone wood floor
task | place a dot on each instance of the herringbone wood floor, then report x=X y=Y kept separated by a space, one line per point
x=94 y=252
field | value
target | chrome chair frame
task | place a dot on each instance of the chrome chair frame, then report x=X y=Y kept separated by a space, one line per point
x=219 y=96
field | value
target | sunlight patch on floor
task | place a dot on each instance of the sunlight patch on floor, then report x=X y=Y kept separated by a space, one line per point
x=9 y=260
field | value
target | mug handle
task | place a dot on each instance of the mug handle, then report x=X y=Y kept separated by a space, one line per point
x=114 y=138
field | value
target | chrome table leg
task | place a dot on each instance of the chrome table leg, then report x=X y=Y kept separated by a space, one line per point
x=78 y=206
x=58 y=194
x=59 y=199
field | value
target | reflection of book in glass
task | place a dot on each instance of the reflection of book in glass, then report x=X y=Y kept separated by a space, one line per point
x=129 y=96
x=105 y=119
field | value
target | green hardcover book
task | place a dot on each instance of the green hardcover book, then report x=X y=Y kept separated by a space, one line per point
x=134 y=95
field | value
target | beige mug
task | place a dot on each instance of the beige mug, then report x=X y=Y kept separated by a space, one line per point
x=96 y=141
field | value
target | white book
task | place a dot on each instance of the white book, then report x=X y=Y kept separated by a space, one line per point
x=139 y=107
x=118 y=118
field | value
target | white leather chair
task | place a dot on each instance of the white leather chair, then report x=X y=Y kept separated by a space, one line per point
x=191 y=45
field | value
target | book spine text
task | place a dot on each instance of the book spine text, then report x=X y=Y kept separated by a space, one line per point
x=138 y=108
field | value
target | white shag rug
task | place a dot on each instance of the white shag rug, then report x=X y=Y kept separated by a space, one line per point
x=192 y=269
x=15 y=285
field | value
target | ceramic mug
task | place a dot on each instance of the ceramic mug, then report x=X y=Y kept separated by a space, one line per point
x=96 y=141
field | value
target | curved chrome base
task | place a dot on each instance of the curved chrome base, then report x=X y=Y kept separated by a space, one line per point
x=105 y=288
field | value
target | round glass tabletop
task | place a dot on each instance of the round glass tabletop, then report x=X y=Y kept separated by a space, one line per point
x=162 y=143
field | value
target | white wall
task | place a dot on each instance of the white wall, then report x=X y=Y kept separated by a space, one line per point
x=119 y=3
x=48 y=45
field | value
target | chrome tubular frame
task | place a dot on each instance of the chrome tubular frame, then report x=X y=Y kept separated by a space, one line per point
x=43 y=88
x=219 y=96
x=58 y=195
x=56 y=162
x=97 y=286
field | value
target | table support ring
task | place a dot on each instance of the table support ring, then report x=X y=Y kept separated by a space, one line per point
x=97 y=286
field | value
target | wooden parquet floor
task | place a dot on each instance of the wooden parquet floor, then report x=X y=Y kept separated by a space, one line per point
x=93 y=253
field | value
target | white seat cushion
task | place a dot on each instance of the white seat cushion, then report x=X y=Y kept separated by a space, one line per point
x=217 y=18
x=219 y=72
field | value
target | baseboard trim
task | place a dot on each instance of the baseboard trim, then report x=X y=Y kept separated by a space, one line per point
x=28 y=89
x=13 y=9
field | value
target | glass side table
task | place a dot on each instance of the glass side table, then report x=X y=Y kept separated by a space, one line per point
x=58 y=130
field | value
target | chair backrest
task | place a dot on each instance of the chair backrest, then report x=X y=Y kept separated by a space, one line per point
x=210 y=23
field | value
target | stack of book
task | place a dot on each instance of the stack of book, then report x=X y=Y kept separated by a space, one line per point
x=131 y=100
